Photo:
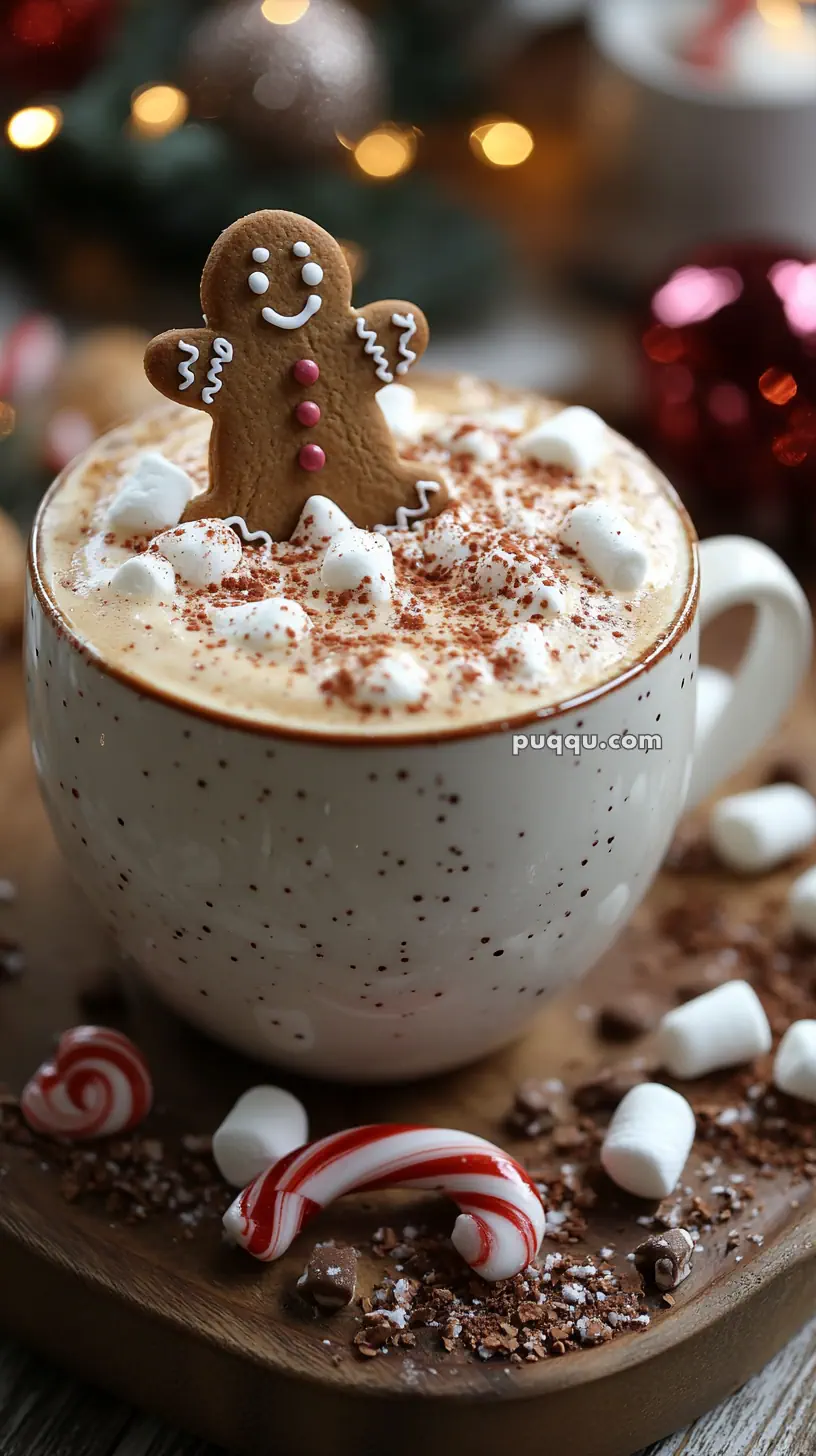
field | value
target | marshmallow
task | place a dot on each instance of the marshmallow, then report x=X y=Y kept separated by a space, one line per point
x=469 y=676
x=544 y=601
x=511 y=417
x=320 y=519
x=444 y=546
x=357 y=557
x=714 y=689
x=611 y=548
x=497 y=571
x=722 y=1028
x=576 y=439
x=479 y=444
x=274 y=626
x=152 y=496
x=802 y=904
x=398 y=404
x=263 y=1126
x=149 y=576
x=526 y=654
x=396 y=680
x=201 y=552
x=795 y=1065
x=757 y=831
x=648 y=1140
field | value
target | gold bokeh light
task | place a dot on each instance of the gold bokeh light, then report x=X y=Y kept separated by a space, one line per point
x=33 y=127
x=284 y=12
x=386 y=152
x=784 y=14
x=157 y=110
x=501 y=143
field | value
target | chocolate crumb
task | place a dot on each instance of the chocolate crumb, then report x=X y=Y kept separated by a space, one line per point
x=627 y=1019
x=607 y=1088
x=12 y=960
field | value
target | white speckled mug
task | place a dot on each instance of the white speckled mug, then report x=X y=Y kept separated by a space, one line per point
x=372 y=910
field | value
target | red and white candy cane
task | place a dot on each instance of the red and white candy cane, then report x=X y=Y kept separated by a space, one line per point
x=498 y=1231
x=97 y=1084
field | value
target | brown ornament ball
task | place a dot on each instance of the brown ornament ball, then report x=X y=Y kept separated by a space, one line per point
x=289 y=86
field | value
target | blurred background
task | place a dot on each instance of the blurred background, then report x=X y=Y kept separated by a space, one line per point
x=610 y=200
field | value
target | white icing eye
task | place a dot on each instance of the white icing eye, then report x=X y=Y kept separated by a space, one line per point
x=311 y=273
x=260 y=255
x=258 y=282
x=301 y=250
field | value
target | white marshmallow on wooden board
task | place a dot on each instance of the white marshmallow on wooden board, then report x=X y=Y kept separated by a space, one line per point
x=149 y=577
x=802 y=904
x=274 y=626
x=576 y=439
x=795 y=1063
x=397 y=679
x=265 y=1124
x=201 y=552
x=321 y=520
x=714 y=689
x=648 y=1140
x=611 y=548
x=757 y=831
x=153 y=495
x=527 y=657
x=398 y=403
x=355 y=555
x=722 y=1028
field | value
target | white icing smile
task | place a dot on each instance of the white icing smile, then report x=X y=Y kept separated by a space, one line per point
x=294 y=320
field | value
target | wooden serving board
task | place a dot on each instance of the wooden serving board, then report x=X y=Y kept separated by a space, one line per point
x=212 y=1341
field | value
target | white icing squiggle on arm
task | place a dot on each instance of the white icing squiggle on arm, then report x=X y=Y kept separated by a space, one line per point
x=408 y=516
x=221 y=355
x=376 y=351
x=407 y=323
x=184 y=367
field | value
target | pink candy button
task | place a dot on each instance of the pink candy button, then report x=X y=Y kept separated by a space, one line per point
x=308 y=413
x=311 y=457
x=306 y=371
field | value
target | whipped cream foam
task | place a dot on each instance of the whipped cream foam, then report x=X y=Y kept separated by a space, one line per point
x=560 y=561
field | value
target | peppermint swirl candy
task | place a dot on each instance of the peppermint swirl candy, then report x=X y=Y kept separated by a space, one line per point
x=97 y=1084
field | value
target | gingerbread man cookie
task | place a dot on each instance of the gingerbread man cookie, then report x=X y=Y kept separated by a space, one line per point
x=289 y=371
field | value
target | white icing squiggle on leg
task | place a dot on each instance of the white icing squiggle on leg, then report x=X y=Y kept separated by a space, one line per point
x=408 y=516
x=239 y=524
x=375 y=350
x=407 y=323
x=221 y=355
x=184 y=368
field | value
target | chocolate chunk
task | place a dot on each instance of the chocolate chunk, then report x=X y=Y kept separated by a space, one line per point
x=330 y=1277
x=604 y=1091
x=787 y=771
x=665 y=1259
x=627 y=1019
x=532 y=1112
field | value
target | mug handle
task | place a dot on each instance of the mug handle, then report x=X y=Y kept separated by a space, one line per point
x=735 y=571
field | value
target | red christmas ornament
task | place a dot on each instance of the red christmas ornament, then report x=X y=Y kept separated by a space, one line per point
x=730 y=354
x=51 y=43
